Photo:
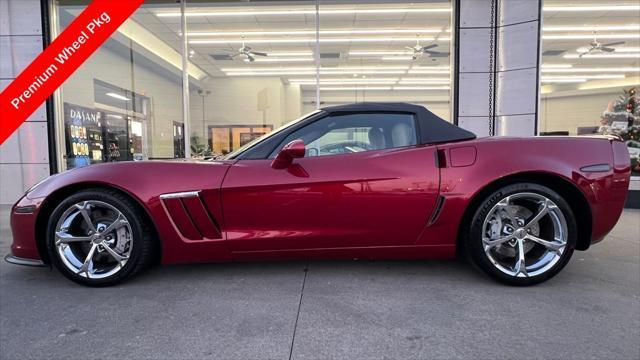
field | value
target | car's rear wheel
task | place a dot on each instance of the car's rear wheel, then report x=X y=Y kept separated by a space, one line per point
x=98 y=237
x=522 y=234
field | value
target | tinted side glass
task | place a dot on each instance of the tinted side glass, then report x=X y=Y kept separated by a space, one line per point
x=344 y=134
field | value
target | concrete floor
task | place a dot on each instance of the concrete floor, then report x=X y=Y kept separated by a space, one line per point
x=336 y=309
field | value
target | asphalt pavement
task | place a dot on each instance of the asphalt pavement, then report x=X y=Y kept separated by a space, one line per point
x=329 y=309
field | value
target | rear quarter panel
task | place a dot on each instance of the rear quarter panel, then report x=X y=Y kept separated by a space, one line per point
x=498 y=157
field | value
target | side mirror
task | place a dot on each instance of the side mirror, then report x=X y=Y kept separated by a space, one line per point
x=292 y=150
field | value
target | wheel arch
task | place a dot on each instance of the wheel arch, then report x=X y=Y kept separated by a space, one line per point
x=53 y=199
x=574 y=196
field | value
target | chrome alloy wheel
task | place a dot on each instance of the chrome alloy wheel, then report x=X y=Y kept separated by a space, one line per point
x=93 y=239
x=524 y=234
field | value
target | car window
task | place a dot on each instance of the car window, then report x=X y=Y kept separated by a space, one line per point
x=345 y=134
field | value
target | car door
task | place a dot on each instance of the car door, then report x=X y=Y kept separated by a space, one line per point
x=363 y=182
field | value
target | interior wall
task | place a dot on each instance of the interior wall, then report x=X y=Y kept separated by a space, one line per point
x=244 y=101
x=110 y=66
x=567 y=113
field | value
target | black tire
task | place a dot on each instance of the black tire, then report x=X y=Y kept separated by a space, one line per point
x=142 y=246
x=474 y=247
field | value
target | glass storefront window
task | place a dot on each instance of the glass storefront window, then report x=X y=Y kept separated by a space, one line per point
x=252 y=68
x=384 y=51
x=590 y=74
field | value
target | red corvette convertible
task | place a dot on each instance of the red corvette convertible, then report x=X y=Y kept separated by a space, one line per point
x=370 y=180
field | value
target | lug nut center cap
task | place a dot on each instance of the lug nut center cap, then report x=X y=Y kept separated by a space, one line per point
x=520 y=234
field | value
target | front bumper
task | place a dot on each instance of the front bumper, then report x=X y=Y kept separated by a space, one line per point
x=23 y=227
x=11 y=259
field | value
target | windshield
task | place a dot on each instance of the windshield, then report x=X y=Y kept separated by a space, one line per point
x=243 y=148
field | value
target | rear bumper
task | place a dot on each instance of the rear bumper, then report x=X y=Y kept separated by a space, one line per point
x=11 y=259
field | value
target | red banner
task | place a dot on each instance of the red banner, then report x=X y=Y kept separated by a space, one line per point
x=58 y=61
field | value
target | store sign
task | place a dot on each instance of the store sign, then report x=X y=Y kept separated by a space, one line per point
x=60 y=59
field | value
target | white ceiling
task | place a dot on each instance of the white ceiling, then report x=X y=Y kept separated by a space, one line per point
x=391 y=16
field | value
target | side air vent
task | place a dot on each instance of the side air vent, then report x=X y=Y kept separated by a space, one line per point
x=437 y=211
x=190 y=215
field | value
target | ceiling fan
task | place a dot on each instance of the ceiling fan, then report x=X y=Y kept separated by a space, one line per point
x=419 y=50
x=595 y=46
x=246 y=53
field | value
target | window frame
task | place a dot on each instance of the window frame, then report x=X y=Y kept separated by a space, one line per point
x=283 y=141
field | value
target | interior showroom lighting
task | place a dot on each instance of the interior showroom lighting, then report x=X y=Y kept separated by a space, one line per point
x=603 y=8
x=379 y=52
x=590 y=36
x=592 y=28
x=291 y=53
x=249 y=33
x=355 y=88
x=413 y=88
x=118 y=96
x=588 y=77
x=345 y=68
x=620 y=49
x=603 y=69
x=311 y=40
x=283 y=59
x=309 y=11
x=396 y=58
x=556 y=66
x=562 y=80
x=603 y=56
x=398 y=88
x=311 y=72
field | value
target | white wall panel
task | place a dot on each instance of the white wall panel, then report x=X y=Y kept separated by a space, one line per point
x=474 y=94
x=517 y=11
x=516 y=92
x=478 y=125
x=17 y=52
x=516 y=125
x=474 y=50
x=518 y=46
x=41 y=112
x=20 y=17
x=27 y=145
x=15 y=179
x=475 y=13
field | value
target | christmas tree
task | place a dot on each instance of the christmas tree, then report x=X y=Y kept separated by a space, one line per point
x=629 y=105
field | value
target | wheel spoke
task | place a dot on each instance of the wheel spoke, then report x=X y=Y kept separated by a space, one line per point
x=520 y=265
x=541 y=213
x=65 y=238
x=84 y=211
x=118 y=223
x=119 y=258
x=88 y=261
x=551 y=245
x=493 y=243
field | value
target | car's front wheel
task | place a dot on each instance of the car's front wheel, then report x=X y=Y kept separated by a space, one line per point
x=98 y=237
x=522 y=234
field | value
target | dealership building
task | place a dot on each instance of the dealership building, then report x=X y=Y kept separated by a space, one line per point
x=202 y=78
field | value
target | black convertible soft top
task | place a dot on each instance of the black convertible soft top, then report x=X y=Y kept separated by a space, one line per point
x=431 y=128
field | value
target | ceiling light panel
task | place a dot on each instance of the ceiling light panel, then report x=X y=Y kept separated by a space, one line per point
x=591 y=28
x=249 y=34
x=588 y=77
x=603 y=56
x=312 y=40
x=602 y=8
x=306 y=12
x=603 y=69
x=590 y=36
